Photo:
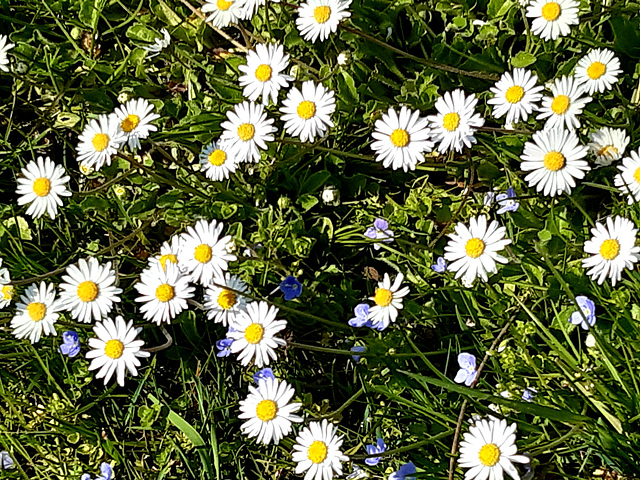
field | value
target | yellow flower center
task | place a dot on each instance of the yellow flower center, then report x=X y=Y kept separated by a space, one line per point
x=400 y=137
x=383 y=297
x=203 y=253
x=217 y=157
x=636 y=175
x=169 y=257
x=489 y=454
x=514 y=94
x=306 y=109
x=226 y=299
x=317 y=451
x=113 y=349
x=130 y=123
x=553 y=161
x=266 y=410
x=100 y=141
x=224 y=5
x=42 y=186
x=254 y=333
x=560 y=104
x=608 y=151
x=322 y=13
x=7 y=292
x=87 y=291
x=36 y=311
x=596 y=70
x=246 y=131
x=551 y=11
x=165 y=292
x=451 y=121
x=610 y=249
x=263 y=73
x=474 y=247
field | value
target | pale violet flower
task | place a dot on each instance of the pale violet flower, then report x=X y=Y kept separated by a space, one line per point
x=467 y=373
x=361 y=318
x=105 y=473
x=379 y=447
x=507 y=202
x=404 y=472
x=6 y=462
x=589 y=310
x=263 y=374
x=529 y=394
x=357 y=349
x=224 y=346
x=440 y=266
x=379 y=231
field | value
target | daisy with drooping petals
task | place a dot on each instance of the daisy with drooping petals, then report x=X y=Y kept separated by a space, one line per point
x=388 y=300
x=36 y=312
x=456 y=122
x=565 y=105
x=88 y=290
x=247 y=129
x=553 y=18
x=203 y=252
x=251 y=8
x=401 y=140
x=263 y=73
x=223 y=13
x=317 y=451
x=608 y=145
x=5 y=46
x=116 y=349
x=268 y=411
x=169 y=252
x=628 y=180
x=6 y=291
x=254 y=332
x=473 y=252
x=307 y=113
x=516 y=95
x=217 y=161
x=598 y=71
x=221 y=302
x=42 y=186
x=319 y=18
x=612 y=248
x=99 y=141
x=554 y=158
x=134 y=118
x=488 y=449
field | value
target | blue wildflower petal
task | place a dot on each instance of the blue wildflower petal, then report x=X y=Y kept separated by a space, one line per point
x=291 y=288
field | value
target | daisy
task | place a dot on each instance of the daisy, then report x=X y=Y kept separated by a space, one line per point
x=5 y=46
x=247 y=129
x=598 y=71
x=253 y=334
x=164 y=291
x=88 y=290
x=217 y=161
x=608 y=145
x=99 y=141
x=472 y=251
x=169 y=252
x=263 y=73
x=388 y=300
x=488 y=449
x=134 y=118
x=307 y=113
x=318 y=18
x=317 y=451
x=115 y=349
x=224 y=12
x=36 y=312
x=6 y=291
x=203 y=252
x=565 y=105
x=268 y=411
x=455 y=123
x=42 y=186
x=554 y=158
x=516 y=95
x=553 y=18
x=628 y=180
x=401 y=140
x=221 y=302
x=612 y=249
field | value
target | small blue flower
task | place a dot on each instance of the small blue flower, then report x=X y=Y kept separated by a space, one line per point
x=440 y=265
x=291 y=288
x=105 y=470
x=507 y=202
x=489 y=199
x=70 y=343
x=529 y=394
x=263 y=375
x=401 y=474
x=379 y=231
x=357 y=349
x=6 y=462
x=589 y=310
x=361 y=315
x=224 y=346
x=467 y=373
x=371 y=449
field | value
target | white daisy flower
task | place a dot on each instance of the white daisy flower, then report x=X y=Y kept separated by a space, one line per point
x=553 y=18
x=608 y=145
x=307 y=113
x=253 y=335
x=612 y=248
x=169 y=252
x=401 y=140
x=164 y=291
x=598 y=71
x=554 y=158
x=268 y=411
x=36 y=312
x=454 y=125
x=5 y=46
x=134 y=118
x=223 y=13
x=203 y=252
x=42 y=185
x=116 y=349
x=88 y=290
x=221 y=303
x=6 y=291
x=388 y=300
x=247 y=129
x=263 y=73
x=99 y=141
x=565 y=105
x=218 y=161
x=628 y=180
x=251 y=8
x=319 y=18
x=516 y=95
x=472 y=252
x=488 y=449
x=317 y=451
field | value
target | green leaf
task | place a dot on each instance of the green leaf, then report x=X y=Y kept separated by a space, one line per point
x=307 y=202
x=185 y=427
x=140 y=32
x=523 y=59
x=314 y=182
